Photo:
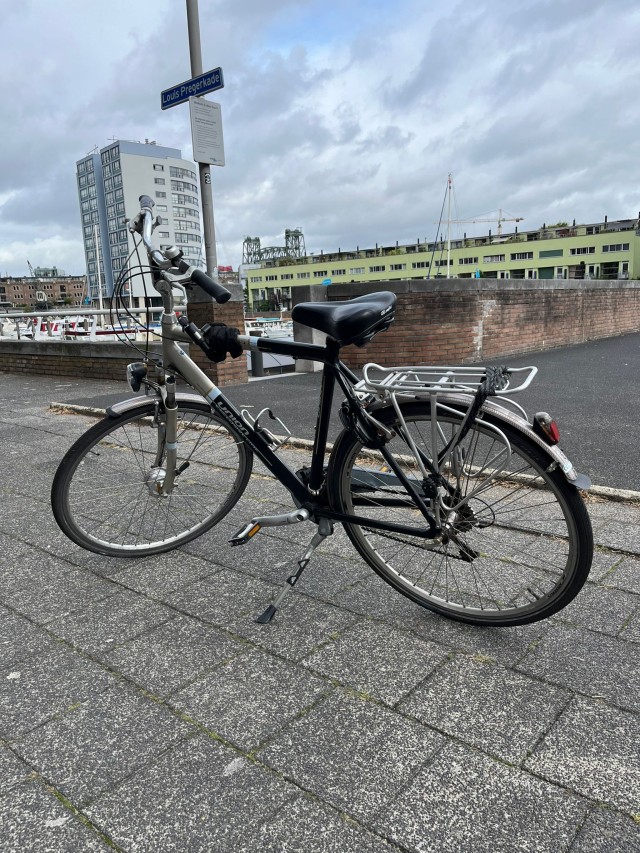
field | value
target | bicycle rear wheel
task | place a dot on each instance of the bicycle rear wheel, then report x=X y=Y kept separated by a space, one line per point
x=105 y=494
x=519 y=542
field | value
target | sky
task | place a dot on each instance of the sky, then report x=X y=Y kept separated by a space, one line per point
x=340 y=117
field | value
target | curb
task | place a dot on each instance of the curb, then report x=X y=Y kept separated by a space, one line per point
x=606 y=492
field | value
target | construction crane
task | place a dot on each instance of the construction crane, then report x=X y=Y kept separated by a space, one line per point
x=33 y=275
x=499 y=219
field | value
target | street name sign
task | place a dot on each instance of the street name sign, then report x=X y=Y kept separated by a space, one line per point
x=207 y=82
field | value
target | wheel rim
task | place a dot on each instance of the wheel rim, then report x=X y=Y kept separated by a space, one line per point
x=114 y=499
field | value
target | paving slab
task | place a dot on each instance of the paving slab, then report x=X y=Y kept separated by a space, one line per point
x=70 y=592
x=600 y=609
x=100 y=742
x=465 y=801
x=21 y=639
x=303 y=825
x=626 y=575
x=250 y=698
x=222 y=596
x=378 y=660
x=488 y=706
x=352 y=753
x=45 y=685
x=31 y=818
x=198 y=796
x=12 y=769
x=605 y=831
x=589 y=663
x=167 y=657
x=116 y=619
x=300 y=626
x=593 y=749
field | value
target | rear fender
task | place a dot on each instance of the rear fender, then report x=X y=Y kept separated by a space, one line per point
x=496 y=414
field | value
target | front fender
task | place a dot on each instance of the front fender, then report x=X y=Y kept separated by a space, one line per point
x=132 y=403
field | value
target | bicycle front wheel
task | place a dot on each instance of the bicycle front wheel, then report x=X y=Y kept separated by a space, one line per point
x=107 y=493
x=518 y=543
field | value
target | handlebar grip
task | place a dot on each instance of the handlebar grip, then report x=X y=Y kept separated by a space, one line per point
x=219 y=293
x=146 y=201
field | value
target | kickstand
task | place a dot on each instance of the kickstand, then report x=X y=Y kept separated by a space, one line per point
x=325 y=528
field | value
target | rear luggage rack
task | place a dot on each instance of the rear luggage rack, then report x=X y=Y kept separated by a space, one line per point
x=430 y=379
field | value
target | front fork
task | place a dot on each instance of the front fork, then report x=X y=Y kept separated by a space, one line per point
x=167 y=451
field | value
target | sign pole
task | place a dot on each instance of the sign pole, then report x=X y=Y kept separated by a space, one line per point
x=206 y=194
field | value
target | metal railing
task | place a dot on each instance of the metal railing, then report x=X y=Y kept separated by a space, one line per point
x=76 y=324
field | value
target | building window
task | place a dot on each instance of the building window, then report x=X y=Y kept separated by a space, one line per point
x=303 y=275
x=159 y=181
x=549 y=253
x=164 y=234
x=443 y=263
x=493 y=259
x=286 y=276
x=522 y=256
x=616 y=247
x=356 y=270
x=255 y=278
x=160 y=194
x=468 y=261
x=338 y=272
x=319 y=273
x=161 y=208
x=420 y=265
x=158 y=168
x=271 y=278
x=377 y=269
x=584 y=250
x=532 y=273
x=398 y=267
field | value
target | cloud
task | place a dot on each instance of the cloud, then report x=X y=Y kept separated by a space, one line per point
x=344 y=119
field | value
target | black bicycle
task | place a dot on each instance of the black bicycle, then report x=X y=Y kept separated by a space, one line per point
x=443 y=485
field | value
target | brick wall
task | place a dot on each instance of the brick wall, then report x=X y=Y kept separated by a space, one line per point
x=439 y=322
x=456 y=320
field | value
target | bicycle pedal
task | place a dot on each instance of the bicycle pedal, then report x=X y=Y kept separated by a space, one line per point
x=245 y=533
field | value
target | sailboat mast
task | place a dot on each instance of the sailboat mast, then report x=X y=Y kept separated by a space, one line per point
x=449 y=226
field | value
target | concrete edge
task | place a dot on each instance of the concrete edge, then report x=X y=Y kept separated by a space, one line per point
x=606 y=492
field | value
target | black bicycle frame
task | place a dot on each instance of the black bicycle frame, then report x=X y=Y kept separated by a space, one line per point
x=308 y=495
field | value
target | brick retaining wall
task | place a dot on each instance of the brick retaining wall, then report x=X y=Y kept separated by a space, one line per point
x=443 y=322
x=462 y=320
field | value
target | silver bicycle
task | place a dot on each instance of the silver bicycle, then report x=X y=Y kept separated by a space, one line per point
x=442 y=483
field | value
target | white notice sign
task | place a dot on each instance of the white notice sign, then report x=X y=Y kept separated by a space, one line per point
x=206 y=131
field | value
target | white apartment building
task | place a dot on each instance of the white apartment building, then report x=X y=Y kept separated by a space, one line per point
x=110 y=182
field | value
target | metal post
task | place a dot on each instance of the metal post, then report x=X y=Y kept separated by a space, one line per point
x=206 y=195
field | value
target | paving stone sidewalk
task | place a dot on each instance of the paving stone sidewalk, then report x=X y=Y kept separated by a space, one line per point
x=142 y=709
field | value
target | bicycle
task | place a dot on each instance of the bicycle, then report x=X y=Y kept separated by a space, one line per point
x=441 y=482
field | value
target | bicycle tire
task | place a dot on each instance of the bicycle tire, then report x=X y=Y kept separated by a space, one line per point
x=105 y=492
x=523 y=541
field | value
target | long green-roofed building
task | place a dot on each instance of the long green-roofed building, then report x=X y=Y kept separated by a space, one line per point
x=605 y=250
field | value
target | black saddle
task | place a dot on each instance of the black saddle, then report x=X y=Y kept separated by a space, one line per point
x=354 y=321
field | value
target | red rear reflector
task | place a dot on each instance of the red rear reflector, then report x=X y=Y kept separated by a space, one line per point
x=546 y=428
x=553 y=432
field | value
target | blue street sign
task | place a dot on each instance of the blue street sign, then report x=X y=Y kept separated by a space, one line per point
x=326 y=282
x=207 y=82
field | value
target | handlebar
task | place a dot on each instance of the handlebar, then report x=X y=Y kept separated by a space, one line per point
x=144 y=224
